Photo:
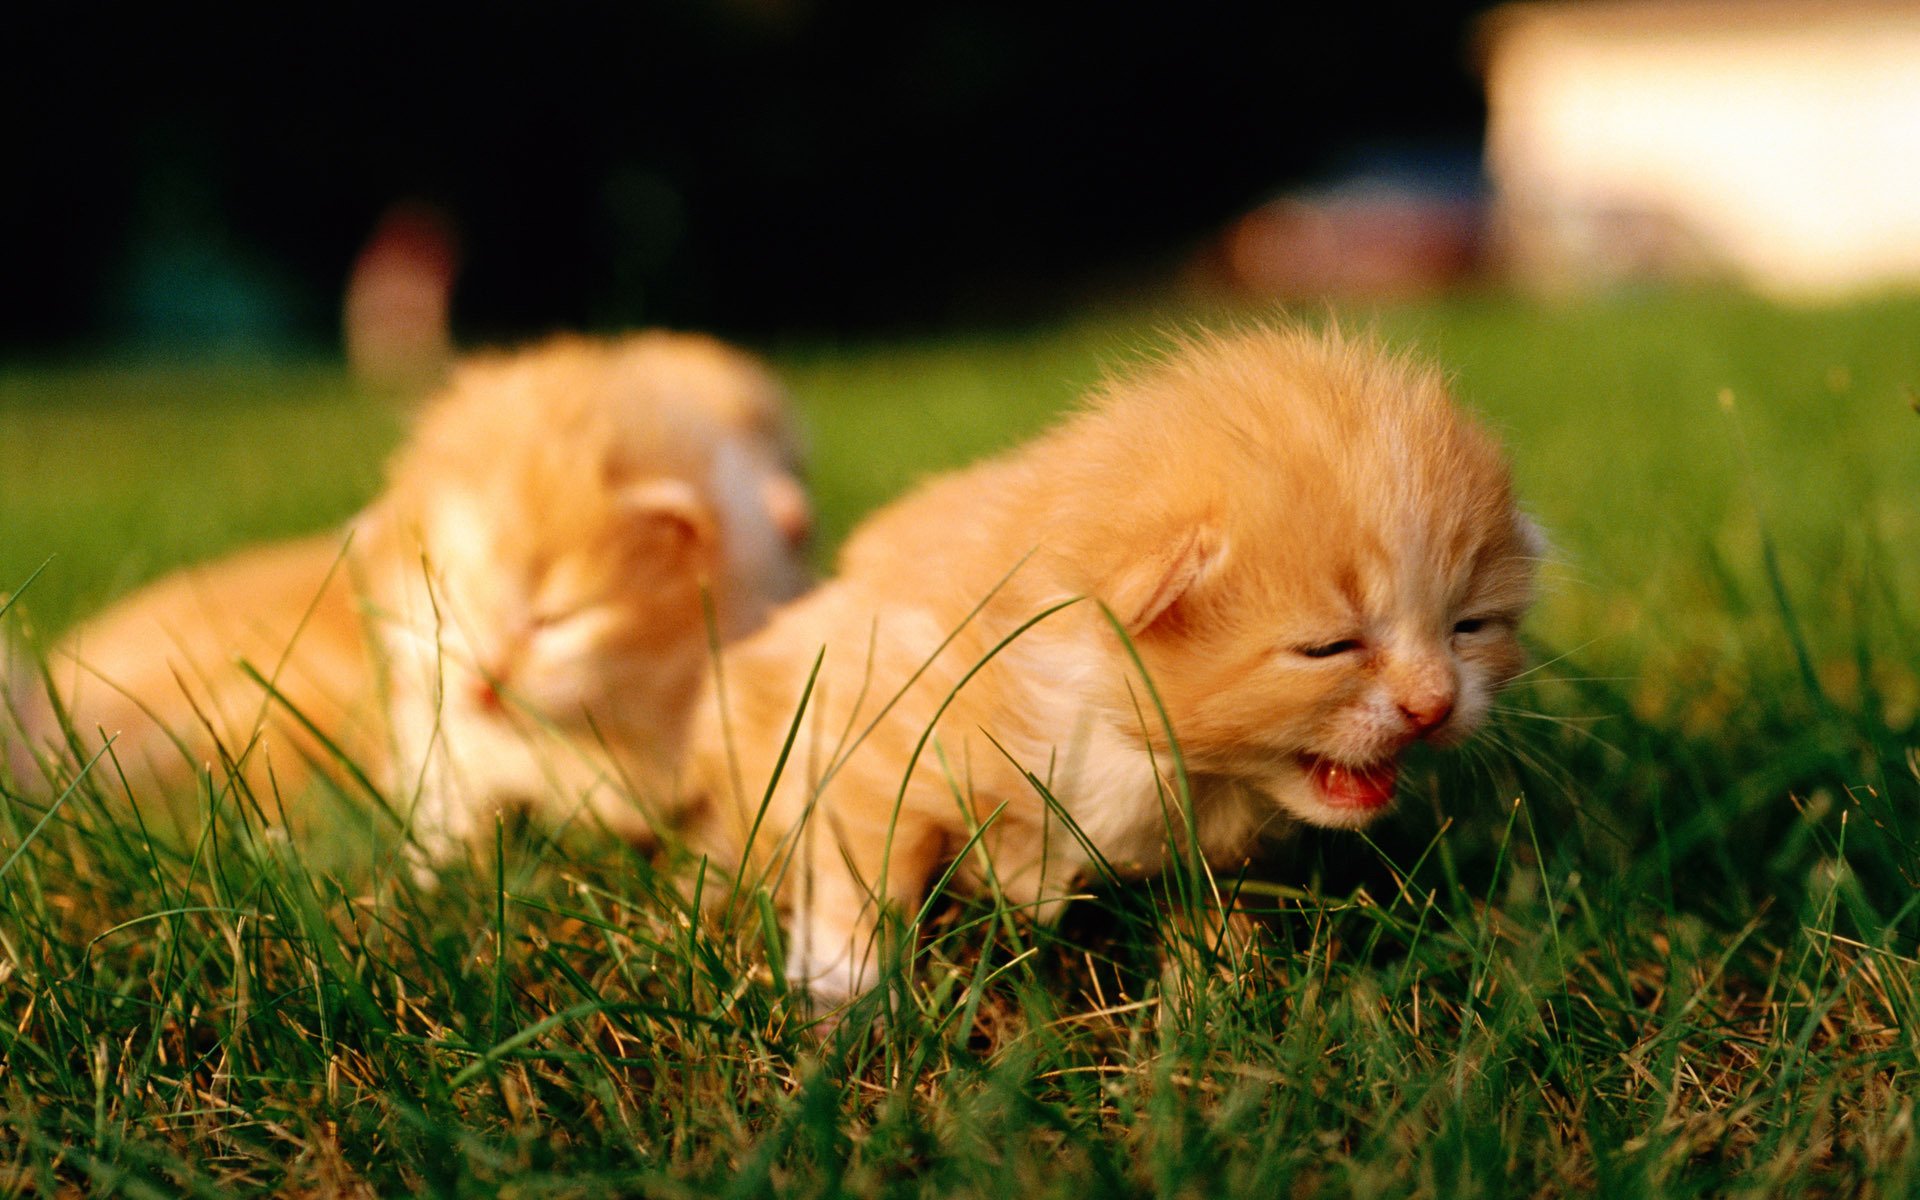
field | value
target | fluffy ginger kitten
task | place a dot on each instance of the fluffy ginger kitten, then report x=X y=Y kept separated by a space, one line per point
x=541 y=547
x=1314 y=551
x=539 y=571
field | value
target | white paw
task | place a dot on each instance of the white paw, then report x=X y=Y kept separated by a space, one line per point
x=833 y=981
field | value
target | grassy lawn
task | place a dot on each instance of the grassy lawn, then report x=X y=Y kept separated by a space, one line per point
x=1655 y=935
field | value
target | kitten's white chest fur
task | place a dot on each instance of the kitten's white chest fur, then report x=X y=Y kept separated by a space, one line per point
x=1121 y=798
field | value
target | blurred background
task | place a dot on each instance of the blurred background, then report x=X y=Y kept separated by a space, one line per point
x=844 y=166
x=745 y=165
x=943 y=220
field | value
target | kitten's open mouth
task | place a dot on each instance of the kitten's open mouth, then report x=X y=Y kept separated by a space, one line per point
x=1365 y=788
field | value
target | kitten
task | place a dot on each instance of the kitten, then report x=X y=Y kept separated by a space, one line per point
x=540 y=568
x=543 y=543
x=1314 y=552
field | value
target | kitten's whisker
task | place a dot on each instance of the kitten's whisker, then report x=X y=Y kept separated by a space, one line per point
x=1551 y=718
x=1543 y=664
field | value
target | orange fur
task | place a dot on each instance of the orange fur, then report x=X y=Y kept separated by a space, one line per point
x=159 y=673
x=542 y=545
x=1247 y=500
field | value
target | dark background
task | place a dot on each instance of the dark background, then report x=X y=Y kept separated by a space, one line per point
x=841 y=165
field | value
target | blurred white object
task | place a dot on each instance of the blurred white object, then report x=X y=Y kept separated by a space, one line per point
x=1776 y=140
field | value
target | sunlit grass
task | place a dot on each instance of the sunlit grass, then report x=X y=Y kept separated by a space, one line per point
x=1654 y=934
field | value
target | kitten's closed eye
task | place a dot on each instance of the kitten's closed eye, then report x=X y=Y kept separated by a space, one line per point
x=1330 y=649
x=1472 y=625
x=547 y=618
x=579 y=630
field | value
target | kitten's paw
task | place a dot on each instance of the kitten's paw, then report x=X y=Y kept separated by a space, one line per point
x=831 y=983
x=423 y=868
x=429 y=851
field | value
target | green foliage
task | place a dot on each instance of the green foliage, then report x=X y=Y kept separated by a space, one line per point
x=120 y=473
x=1653 y=934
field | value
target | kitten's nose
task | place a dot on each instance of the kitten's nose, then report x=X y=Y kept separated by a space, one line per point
x=486 y=696
x=1427 y=713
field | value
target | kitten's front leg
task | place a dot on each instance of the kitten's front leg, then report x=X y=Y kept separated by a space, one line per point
x=849 y=871
x=423 y=786
x=442 y=824
x=1034 y=866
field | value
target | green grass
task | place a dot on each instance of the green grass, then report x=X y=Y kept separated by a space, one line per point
x=1656 y=935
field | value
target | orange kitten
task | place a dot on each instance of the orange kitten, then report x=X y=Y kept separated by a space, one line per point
x=543 y=543
x=539 y=568
x=1315 y=553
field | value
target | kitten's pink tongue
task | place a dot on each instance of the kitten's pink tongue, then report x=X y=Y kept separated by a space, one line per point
x=1356 y=787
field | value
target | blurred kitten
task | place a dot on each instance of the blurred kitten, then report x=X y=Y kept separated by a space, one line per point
x=542 y=546
x=539 y=568
x=1315 y=553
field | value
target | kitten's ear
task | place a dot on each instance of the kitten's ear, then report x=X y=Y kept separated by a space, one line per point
x=1149 y=586
x=1533 y=539
x=746 y=474
x=670 y=511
